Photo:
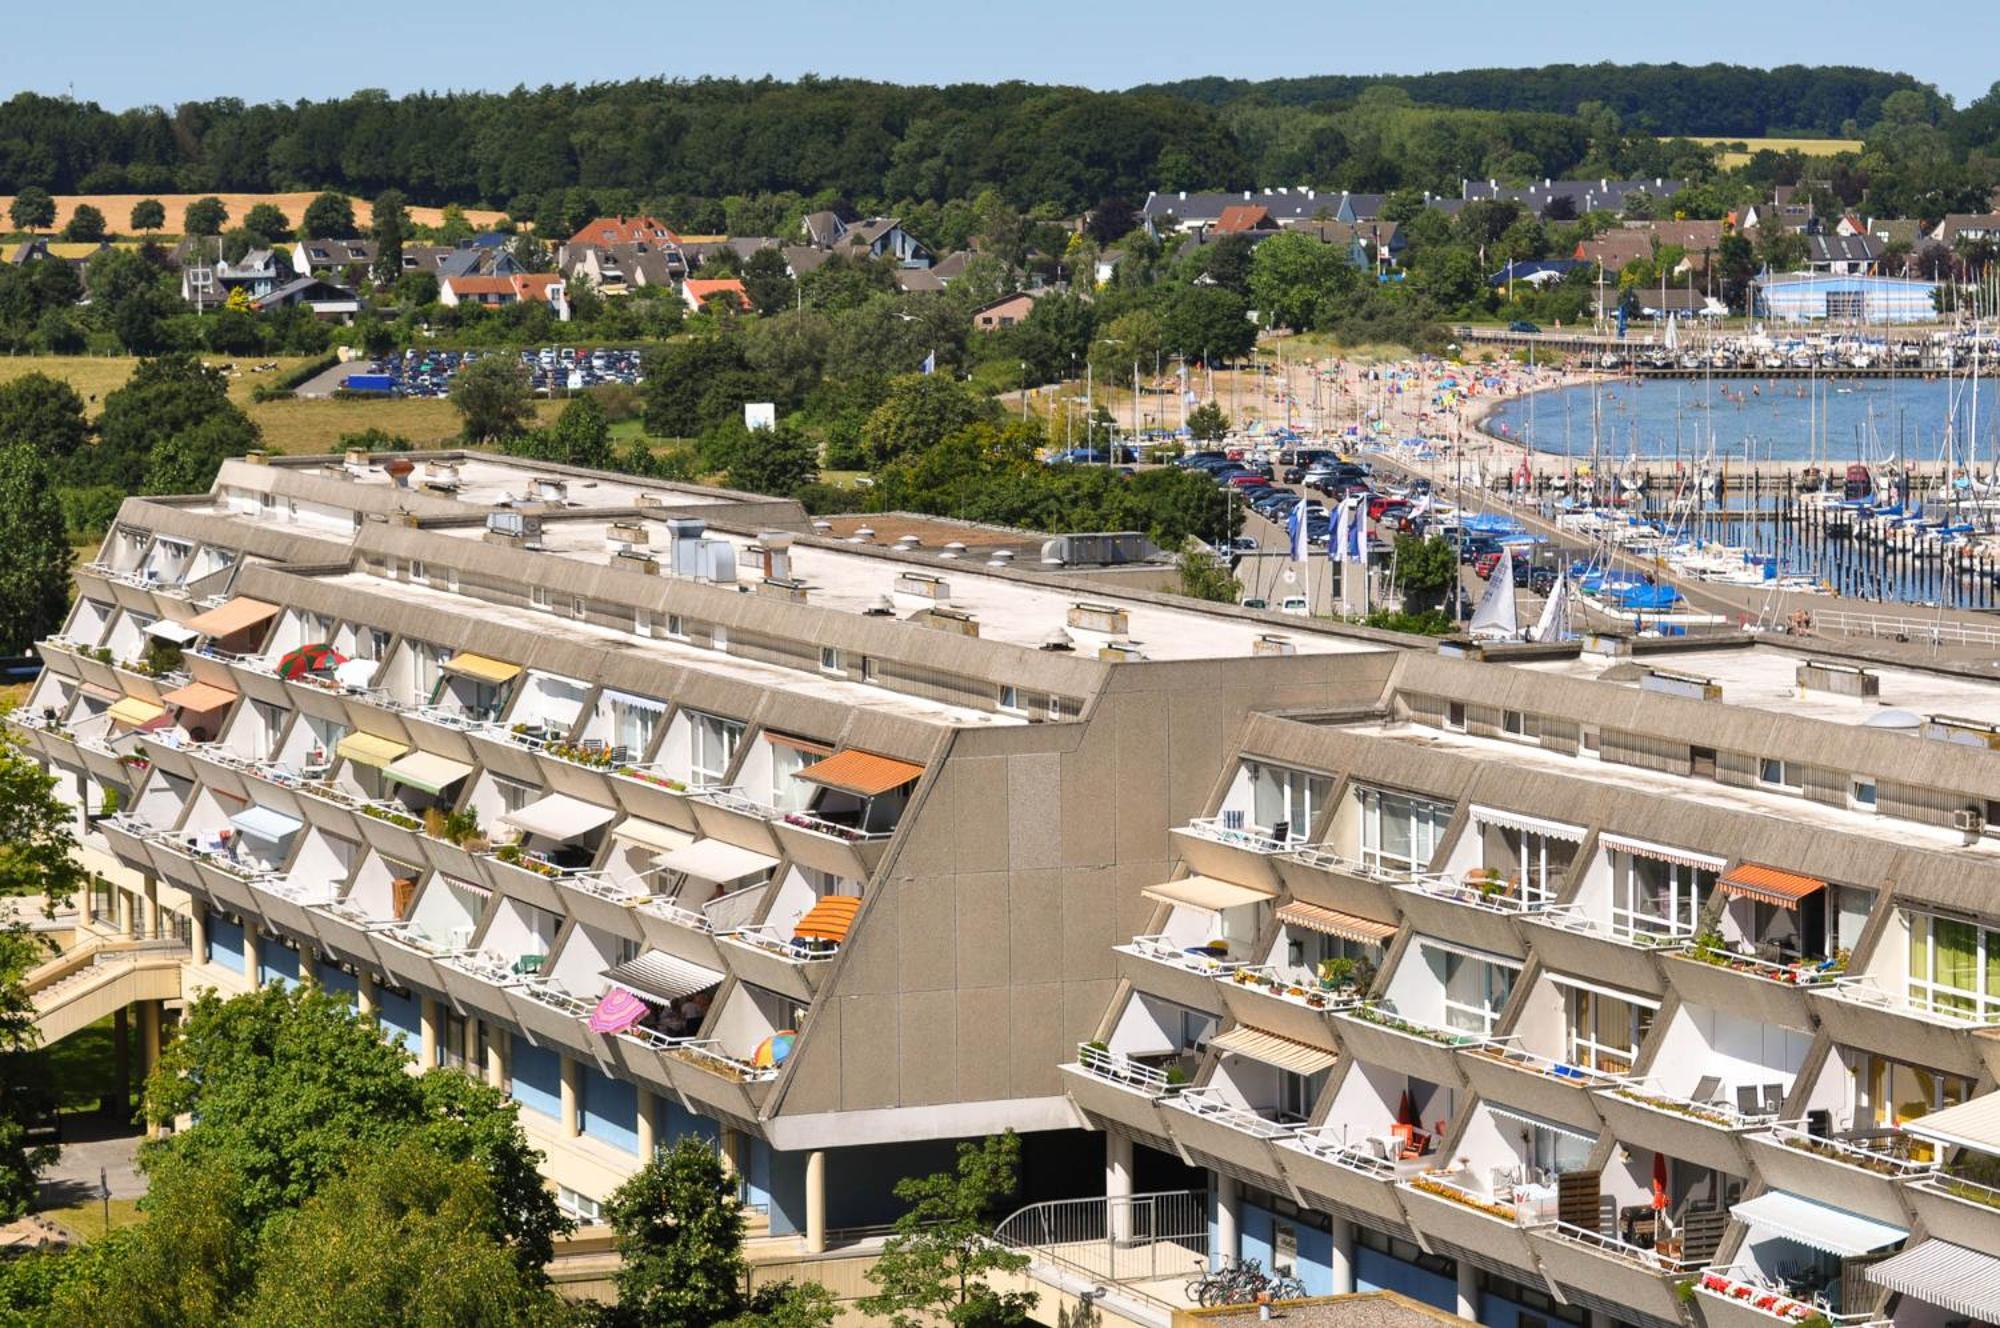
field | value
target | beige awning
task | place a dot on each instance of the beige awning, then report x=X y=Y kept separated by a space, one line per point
x=237 y=615
x=134 y=713
x=200 y=697
x=1272 y=1049
x=1205 y=892
x=716 y=861
x=367 y=749
x=1662 y=852
x=1332 y=922
x=1974 y=1125
x=481 y=668
x=651 y=834
x=427 y=771
x=559 y=817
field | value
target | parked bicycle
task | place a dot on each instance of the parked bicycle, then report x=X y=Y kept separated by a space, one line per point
x=1242 y=1282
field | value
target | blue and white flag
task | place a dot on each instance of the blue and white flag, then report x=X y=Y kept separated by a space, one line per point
x=930 y=363
x=1342 y=531
x=1358 y=551
x=1295 y=529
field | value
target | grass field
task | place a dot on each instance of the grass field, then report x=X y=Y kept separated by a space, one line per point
x=94 y=375
x=1808 y=147
x=117 y=208
x=86 y=1220
x=84 y=1066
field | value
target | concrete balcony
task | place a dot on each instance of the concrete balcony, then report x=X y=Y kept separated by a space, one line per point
x=1767 y=992
x=410 y=957
x=1639 y=1111
x=1956 y=1208
x=1318 y=875
x=734 y=818
x=764 y=958
x=1741 y=1297
x=1858 y=1013
x=652 y=794
x=1502 y=1071
x=1570 y=942
x=476 y=981
x=1864 y=1174
x=1207 y=1126
x=390 y=830
x=173 y=862
x=1159 y=967
x=1471 y=914
x=452 y=858
x=61 y=656
x=329 y=807
x=707 y=1072
x=1448 y=1210
x=1609 y=1275
x=1372 y=1033
x=168 y=751
x=1109 y=1087
x=600 y=901
x=1242 y=856
x=287 y=905
x=1300 y=1011
x=219 y=768
x=346 y=932
x=829 y=847
x=508 y=750
x=127 y=836
x=1353 y=1179
x=112 y=767
x=552 y=1017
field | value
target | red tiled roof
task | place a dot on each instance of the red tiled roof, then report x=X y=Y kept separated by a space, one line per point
x=1243 y=217
x=623 y=230
x=701 y=292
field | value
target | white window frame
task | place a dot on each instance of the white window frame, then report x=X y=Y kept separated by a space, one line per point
x=1426 y=832
x=1009 y=699
x=1790 y=778
x=1975 y=1003
x=418 y=572
x=831 y=662
x=579 y=607
x=642 y=622
x=868 y=669
x=538 y=597
x=1520 y=726
x=677 y=627
x=1683 y=896
x=1454 y=716
x=1856 y=802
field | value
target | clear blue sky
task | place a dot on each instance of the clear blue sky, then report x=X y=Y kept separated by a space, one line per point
x=134 y=52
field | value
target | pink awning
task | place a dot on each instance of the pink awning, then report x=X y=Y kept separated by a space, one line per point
x=618 y=1011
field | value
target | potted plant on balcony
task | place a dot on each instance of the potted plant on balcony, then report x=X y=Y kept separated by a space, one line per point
x=1336 y=973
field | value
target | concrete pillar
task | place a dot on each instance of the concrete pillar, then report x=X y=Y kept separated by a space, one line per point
x=364 y=994
x=816 y=1202
x=152 y=1014
x=470 y=1050
x=648 y=1143
x=1599 y=1319
x=1118 y=1185
x=152 y=890
x=427 y=1028
x=253 y=954
x=121 y=1049
x=572 y=1096
x=128 y=917
x=198 y=928
x=1228 y=1220
x=725 y=1142
x=496 y=1059
x=1343 y=1257
x=1468 y=1292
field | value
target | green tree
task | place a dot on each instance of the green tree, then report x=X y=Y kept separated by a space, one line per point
x=32 y=209
x=34 y=577
x=86 y=225
x=779 y=460
x=581 y=436
x=204 y=216
x=1426 y=571
x=186 y=462
x=148 y=215
x=184 y=1267
x=1207 y=323
x=267 y=221
x=768 y=281
x=493 y=399
x=1207 y=423
x=406 y=1238
x=44 y=414
x=330 y=216
x=920 y=412
x=236 y=242
x=933 y=1268
x=680 y=1241
x=388 y=224
x=1205 y=576
x=1292 y=275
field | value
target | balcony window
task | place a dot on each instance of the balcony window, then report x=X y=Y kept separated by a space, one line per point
x=1656 y=891
x=1400 y=832
x=1861 y=794
x=1475 y=990
x=1954 y=967
x=712 y=743
x=1526 y=855
x=1520 y=724
x=1888 y=1092
x=1605 y=1030
x=1290 y=799
x=1776 y=773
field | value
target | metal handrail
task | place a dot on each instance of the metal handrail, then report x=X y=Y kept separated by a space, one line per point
x=1161 y=950
x=1509 y=1051
x=1645 y=1090
x=1622 y=1249
x=1118 y=1068
x=763 y=936
x=1322 y=858
x=1320 y=1142
x=1210 y=1104
x=1795 y=1134
x=1383 y=1015
x=1212 y=828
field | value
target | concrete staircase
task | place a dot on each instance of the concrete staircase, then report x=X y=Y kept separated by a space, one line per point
x=83 y=985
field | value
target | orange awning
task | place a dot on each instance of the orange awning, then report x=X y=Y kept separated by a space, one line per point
x=1769 y=885
x=829 y=919
x=237 y=615
x=200 y=697
x=1332 y=922
x=806 y=745
x=863 y=773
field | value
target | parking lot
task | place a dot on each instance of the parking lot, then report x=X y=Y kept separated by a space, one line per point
x=551 y=370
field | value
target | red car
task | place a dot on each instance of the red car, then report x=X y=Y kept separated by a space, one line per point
x=1382 y=502
x=1484 y=564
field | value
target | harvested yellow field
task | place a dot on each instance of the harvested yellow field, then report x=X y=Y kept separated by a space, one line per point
x=1805 y=147
x=117 y=208
x=94 y=375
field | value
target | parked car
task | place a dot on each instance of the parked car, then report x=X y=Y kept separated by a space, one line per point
x=1522 y=325
x=1541 y=580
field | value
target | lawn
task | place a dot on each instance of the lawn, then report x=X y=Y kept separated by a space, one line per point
x=95 y=375
x=83 y=1066
x=86 y=1220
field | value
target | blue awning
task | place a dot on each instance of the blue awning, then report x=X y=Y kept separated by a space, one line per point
x=263 y=823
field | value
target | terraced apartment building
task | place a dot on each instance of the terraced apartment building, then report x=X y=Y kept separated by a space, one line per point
x=1588 y=984
x=661 y=807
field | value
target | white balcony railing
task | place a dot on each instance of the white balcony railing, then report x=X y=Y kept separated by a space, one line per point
x=1490 y=896
x=1719 y=1112
x=1509 y=1051
x=1864 y=990
x=1221 y=831
x=1211 y=1104
x=1331 y=1143
x=1161 y=950
x=1117 y=1068
x=1876 y=1151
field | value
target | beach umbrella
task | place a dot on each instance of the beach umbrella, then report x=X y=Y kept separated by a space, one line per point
x=773 y=1050
x=309 y=659
x=1659 y=1182
x=618 y=1011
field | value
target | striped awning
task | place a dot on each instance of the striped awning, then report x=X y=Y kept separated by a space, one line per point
x=1769 y=885
x=1533 y=825
x=1951 y=1277
x=1974 y=1125
x=479 y=667
x=659 y=976
x=829 y=919
x=367 y=749
x=862 y=773
x=1541 y=1123
x=200 y=697
x=1273 y=1049
x=1816 y=1225
x=1663 y=853
x=1205 y=892
x=1332 y=922
x=134 y=713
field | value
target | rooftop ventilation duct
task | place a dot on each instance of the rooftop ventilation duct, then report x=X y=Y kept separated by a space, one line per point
x=1057 y=639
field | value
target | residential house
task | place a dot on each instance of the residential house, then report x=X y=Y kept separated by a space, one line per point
x=1370 y=245
x=1194 y=211
x=1582 y=196
x=883 y=237
x=698 y=292
x=1245 y=219
x=1847 y=255
x=1005 y=311
x=207 y=279
x=621 y=268
x=326 y=299
x=330 y=258
x=605 y=232
x=517 y=288
x=1967 y=226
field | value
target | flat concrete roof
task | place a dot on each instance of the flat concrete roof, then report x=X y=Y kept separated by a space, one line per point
x=1728 y=797
x=856 y=695
x=1018 y=612
x=1767 y=679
